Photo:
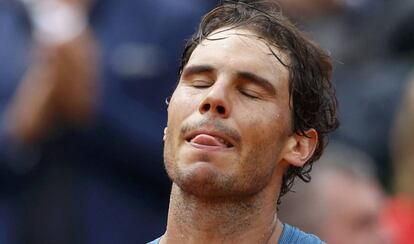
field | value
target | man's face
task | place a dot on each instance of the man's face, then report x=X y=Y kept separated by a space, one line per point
x=229 y=118
x=354 y=212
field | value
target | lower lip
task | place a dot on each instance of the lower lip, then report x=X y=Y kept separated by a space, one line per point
x=209 y=148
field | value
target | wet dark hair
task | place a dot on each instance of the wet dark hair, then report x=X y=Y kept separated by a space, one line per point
x=312 y=95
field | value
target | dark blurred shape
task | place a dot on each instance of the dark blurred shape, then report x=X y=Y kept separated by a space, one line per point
x=401 y=41
x=308 y=9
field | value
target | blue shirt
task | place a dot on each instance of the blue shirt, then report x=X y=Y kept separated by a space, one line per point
x=290 y=235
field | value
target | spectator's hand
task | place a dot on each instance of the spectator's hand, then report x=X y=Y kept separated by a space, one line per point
x=60 y=85
x=75 y=64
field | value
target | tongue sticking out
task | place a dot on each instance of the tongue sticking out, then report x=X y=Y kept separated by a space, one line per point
x=208 y=140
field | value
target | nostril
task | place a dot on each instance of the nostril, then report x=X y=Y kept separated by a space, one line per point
x=221 y=109
x=206 y=107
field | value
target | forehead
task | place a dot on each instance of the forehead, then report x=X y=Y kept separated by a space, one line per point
x=240 y=49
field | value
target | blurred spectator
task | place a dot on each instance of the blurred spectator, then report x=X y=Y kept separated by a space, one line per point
x=399 y=214
x=402 y=144
x=82 y=85
x=343 y=201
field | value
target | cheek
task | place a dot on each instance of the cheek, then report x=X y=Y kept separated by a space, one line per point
x=183 y=101
x=265 y=133
x=179 y=108
x=266 y=145
x=267 y=124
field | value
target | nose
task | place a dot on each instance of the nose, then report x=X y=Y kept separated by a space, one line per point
x=216 y=102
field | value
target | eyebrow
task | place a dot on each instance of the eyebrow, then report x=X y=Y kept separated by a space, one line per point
x=197 y=69
x=245 y=75
x=260 y=81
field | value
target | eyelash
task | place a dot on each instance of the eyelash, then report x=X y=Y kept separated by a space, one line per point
x=200 y=84
x=249 y=95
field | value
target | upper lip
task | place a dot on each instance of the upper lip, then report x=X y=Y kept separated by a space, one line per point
x=227 y=139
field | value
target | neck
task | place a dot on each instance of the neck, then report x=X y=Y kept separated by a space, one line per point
x=251 y=219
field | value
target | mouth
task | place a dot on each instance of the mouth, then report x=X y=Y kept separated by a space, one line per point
x=209 y=139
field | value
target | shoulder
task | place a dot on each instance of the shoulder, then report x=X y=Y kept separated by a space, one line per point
x=291 y=235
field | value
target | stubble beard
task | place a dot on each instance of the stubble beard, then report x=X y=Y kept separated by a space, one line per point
x=213 y=185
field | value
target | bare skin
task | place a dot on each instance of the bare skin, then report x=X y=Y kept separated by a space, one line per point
x=195 y=221
x=228 y=142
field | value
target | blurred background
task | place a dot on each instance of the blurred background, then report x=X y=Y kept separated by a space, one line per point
x=83 y=85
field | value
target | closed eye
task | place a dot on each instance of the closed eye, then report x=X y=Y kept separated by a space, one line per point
x=200 y=83
x=249 y=93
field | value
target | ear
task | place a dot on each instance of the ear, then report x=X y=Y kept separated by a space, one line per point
x=165 y=134
x=300 y=148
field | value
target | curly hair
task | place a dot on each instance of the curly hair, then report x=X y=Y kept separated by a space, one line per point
x=312 y=95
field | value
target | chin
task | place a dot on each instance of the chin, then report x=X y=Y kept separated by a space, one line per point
x=203 y=180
